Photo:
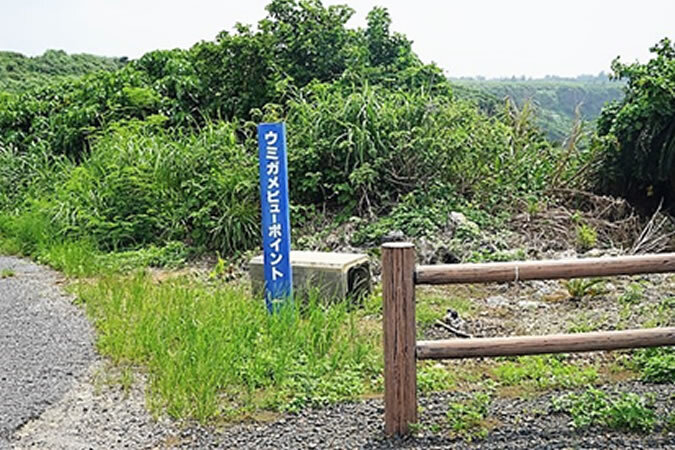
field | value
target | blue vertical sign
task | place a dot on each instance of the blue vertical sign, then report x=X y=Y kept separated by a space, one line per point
x=276 y=223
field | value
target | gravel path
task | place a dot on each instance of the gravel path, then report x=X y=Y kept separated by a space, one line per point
x=520 y=424
x=55 y=393
x=45 y=343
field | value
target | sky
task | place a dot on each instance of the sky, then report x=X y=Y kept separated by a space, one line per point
x=465 y=38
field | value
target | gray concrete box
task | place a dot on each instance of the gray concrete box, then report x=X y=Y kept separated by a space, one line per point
x=334 y=275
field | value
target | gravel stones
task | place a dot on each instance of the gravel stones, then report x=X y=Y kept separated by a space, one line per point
x=96 y=413
x=520 y=423
x=45 y=343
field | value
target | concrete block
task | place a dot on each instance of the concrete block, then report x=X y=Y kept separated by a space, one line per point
x=335 y=275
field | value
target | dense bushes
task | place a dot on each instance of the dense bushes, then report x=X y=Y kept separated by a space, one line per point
x=142 y=185
x=164 y=149
x=358 y=150
x=364 y=148
x=19 y=72
x=220 y=80
x=637 y=135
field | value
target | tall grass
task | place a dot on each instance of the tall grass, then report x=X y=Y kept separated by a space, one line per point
x=216 y=352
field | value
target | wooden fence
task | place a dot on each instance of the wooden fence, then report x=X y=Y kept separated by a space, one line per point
x=401 y=350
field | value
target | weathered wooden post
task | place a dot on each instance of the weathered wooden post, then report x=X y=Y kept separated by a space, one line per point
x=400 y=376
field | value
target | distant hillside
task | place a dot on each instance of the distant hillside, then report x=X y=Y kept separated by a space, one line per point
x=556 y=98
x=19 y=72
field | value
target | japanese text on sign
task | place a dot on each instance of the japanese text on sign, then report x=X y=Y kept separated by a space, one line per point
x=275 y=213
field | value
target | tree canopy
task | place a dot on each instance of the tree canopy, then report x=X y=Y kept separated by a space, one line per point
x=637 y=134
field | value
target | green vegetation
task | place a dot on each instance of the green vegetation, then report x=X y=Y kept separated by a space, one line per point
x=467 y=419
x=154 y=162
x=430 y=308
x=557 y=101
x=434 y=378
x=587 y=321
x=19 y=73
x=579 y=288
x=543 y=372
x=656 y=365
x=636 y=136
x=587 y=237
x=633 y=294
x=594 y=407
x=215 y=352
x=378 y=135
x=6 y=273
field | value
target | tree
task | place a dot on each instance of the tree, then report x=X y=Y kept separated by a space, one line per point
x=637 y=135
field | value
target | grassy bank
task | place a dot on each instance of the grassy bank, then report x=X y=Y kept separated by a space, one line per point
x=213 y=352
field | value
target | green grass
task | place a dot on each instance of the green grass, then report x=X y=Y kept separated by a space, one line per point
x=467 y=419
x=627 y=411
x=6 y=273
x=543 y=372
x=214 y=352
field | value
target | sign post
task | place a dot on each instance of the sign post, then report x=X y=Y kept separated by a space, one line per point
x=276 y=223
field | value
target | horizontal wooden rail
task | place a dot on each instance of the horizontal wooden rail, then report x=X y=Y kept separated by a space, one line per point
x=544 y=270
x=554 y=343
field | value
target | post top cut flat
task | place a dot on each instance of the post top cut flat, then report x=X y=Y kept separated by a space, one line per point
x=398 y=245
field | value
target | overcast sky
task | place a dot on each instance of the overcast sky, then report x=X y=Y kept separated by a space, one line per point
x=466 y=38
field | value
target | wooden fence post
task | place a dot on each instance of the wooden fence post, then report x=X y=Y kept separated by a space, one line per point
x=400 y=376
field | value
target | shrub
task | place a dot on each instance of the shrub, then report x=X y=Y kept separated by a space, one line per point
x=637 y=135
x=365 y=148
x=142 y=186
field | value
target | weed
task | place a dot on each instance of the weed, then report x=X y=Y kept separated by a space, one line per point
x=669 y=422
x=656 y=365
x=587 y=237
x=662 y=314
x=434 y=378
x=633 y=294
x=543 y=372
x=213 y=351
x=594 y=407
x=467 y=419
x=6 y=273
x=482 y=255
x=582 y=287
x=587 y=321
x=74 y=258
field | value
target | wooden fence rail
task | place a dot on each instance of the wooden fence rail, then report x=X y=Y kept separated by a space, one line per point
x=401 y=350
x=544 y=270
x=552 y=343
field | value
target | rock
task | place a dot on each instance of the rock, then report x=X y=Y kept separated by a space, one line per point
x=430 y=252
x=544 y=287
x=458 y=222
x=531 y=304
x=394 y=236
x=496 y=301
